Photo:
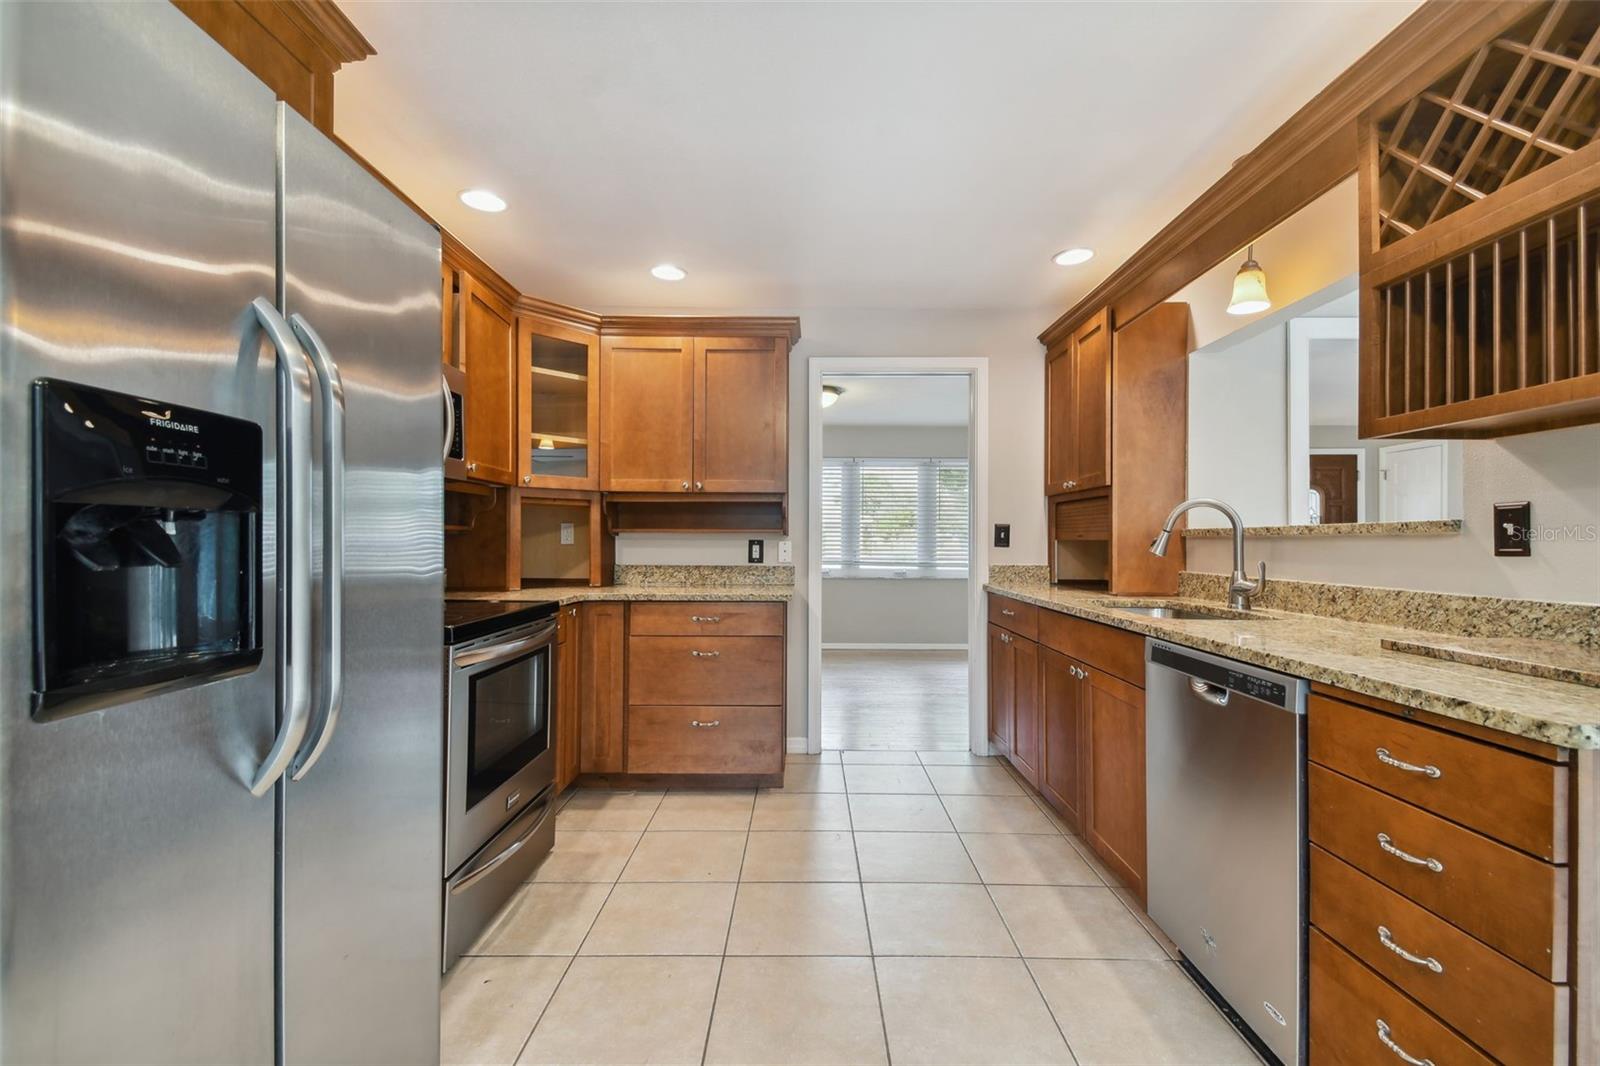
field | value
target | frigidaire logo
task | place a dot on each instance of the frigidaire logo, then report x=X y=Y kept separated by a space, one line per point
x=181 y=427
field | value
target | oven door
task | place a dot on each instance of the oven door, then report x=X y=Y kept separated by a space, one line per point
x=501 y=751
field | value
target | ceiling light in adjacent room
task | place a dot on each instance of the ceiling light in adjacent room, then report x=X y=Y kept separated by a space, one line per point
x=667 y=272
x=831 y=394
x=1072 y=257
x=483 y=200
x=1249 y=287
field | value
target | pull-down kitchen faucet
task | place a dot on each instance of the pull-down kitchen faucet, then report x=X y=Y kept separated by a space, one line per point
x=1241 y=590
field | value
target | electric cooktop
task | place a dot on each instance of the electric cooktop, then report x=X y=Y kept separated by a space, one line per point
x=470 y=619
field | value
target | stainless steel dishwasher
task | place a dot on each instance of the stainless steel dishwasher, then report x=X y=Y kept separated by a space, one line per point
x=1224 y=760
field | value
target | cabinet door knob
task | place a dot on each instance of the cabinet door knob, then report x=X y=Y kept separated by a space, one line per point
x=685 y=486
x=699 y=486
x=1066 y=484
x=472 y=468
x=527 y=479
x=1072 y=484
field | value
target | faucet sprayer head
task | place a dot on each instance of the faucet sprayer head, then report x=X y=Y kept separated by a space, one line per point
x=1159 y=545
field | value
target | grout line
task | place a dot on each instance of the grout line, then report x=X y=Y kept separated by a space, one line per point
x=866 y=920
x=722 y=961
x=585 y=939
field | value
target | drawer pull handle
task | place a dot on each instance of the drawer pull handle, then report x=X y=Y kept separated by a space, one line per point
x=712 y=619
x=706 y=725
x=1008 y=612
x=1387 y=941
x=1387 y=844
x=705 y=654
x=1411 y=768
x=1387 y=1041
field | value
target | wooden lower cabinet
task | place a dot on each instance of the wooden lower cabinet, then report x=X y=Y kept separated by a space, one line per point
x=1063 y=762
x=600 y=687
x=1027 y=720
x=1114 y=810
x=705 y=740
x=1002 y=689
x=1064 y=712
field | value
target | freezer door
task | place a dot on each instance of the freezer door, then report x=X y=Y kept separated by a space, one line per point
x=362 y=837
x=136 y=227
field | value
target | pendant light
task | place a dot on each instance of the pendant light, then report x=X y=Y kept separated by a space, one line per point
x=831 y=394
x=1249 y=287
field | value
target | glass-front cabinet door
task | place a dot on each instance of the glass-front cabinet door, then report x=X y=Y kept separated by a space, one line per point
x=559 y=405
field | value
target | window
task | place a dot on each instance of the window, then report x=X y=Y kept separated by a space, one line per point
x=894 y=517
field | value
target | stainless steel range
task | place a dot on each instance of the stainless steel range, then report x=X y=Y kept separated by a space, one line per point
x=499 y=770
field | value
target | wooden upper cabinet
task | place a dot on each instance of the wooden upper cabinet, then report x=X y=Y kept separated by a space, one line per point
x=486 y=347
x=741 y=424
x=647 y=405
x=1091 y=403
x=1061 y=441
x=1078 y=410
x=558 y=411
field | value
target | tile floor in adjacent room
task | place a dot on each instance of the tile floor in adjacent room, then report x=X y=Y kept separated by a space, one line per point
x=881 y=907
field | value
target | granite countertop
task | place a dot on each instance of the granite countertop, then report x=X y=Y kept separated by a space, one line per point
x=565 y=594
x=1351 y=655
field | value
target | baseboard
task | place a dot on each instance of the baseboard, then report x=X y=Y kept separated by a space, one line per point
x=894 y=647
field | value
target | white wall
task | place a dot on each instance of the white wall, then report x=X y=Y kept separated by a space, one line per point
x=1238 y=426
x=1007 y=339
x=894 y=610
x=1558 y=472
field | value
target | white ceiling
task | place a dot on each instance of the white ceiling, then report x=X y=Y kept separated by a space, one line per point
x=794 y=155
x=899 y=400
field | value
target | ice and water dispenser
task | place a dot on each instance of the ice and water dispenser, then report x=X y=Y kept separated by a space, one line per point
x=147 y=547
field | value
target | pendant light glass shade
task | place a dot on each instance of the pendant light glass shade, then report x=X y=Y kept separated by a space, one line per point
x=831 y=394
x=1249 y=288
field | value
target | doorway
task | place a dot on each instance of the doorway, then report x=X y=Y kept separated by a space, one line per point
x=895 y=568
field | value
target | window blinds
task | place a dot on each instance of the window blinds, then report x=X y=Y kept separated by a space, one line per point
x=882 y=516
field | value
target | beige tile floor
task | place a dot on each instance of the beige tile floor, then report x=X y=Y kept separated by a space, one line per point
x=881 y=907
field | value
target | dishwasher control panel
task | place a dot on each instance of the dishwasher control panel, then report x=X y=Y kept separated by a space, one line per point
x=1264 y=689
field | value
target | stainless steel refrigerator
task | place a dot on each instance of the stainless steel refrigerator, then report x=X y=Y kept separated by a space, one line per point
x=221 y=565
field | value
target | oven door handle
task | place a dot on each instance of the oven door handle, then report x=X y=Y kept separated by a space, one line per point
x=534 y=817
x=510 y=650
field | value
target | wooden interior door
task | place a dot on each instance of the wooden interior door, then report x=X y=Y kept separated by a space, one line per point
x=1334 y=477
x=1002 y=688
x=1114 y=784
x=1060 y=437
x=1027 y=720
x=647 y=387
x=741 y=424
x=600 y=693
x=486 y=342
x=1091 y=404
x=1062 y=759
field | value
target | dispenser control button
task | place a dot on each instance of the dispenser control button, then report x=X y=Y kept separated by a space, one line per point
x=198 y=461
x=169 y=455
x=152 y=454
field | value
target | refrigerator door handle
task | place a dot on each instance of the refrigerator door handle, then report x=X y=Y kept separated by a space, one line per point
x=294 y=543
x=331 y=689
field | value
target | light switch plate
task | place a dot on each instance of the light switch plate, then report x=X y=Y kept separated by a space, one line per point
x=785 y=552
x=567 y=533
x=756 y=551
x=1513 y=524
x=1002 y=535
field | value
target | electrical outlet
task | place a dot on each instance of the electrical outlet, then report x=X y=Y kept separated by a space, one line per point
x=757 y=550
x=1513 y=528
x=567 y=533
x=785 y=551
x=1002 y=535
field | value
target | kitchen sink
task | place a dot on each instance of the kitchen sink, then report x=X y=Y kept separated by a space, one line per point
x=1180 y=612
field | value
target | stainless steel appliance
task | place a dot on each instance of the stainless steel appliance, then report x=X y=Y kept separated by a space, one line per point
x=221 y=565
x=1224 y=754
x=499 y=768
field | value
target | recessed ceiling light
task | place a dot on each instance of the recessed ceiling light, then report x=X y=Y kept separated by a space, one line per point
x=483 y=200
x=668 y=272
x=1073 y=256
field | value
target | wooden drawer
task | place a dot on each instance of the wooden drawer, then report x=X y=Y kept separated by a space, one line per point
x=1509 y=1011
x=1084 y=519
x=1510 y=901
x=1021 y=618
x=1353 y=1010
x=1514 y=798
x=706 y=619
x=705 y=671
x=726 y=740
x=1116 y=651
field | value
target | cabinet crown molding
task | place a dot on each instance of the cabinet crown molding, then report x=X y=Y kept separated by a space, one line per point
x=330 y=28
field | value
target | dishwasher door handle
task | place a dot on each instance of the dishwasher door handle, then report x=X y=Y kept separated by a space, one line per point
x=1210 y=693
